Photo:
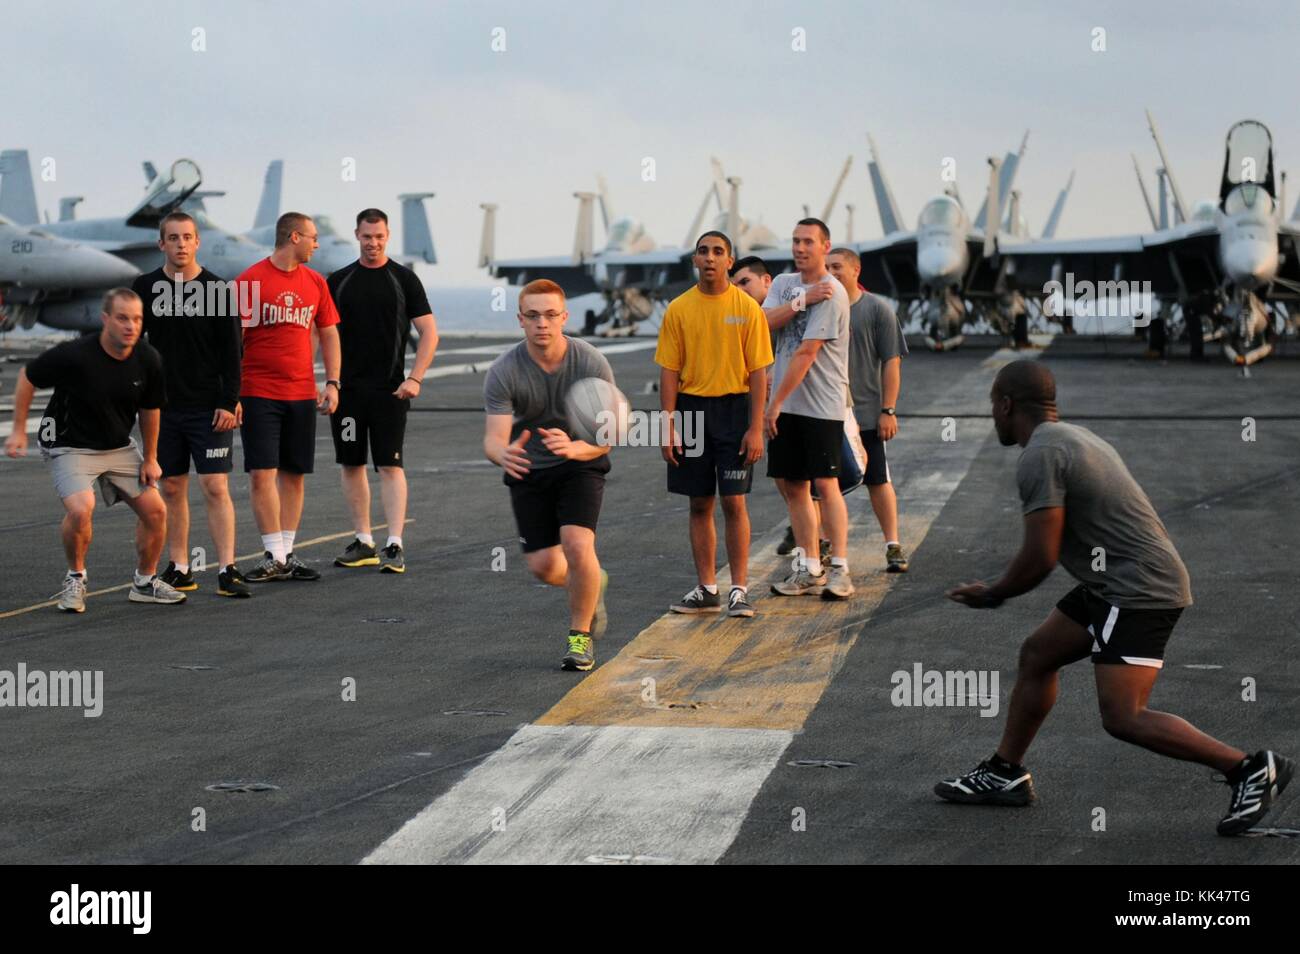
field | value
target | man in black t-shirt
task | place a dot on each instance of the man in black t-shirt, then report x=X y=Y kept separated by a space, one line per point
x=192 y=318
x=101 y=383
x=378 y=301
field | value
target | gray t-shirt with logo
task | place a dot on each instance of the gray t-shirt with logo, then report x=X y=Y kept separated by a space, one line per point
x=1065 y=465
x=875 y=336
x=516 y=385
x=823 y=392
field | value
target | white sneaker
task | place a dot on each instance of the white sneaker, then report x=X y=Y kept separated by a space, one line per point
x=73 y=597
x=838 y=585
x=155 y=591
x=800 y=583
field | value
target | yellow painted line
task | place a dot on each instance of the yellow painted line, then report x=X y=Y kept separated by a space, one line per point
x=245 y=556
x=763 y=673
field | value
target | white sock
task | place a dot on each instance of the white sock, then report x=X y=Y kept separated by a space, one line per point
x=366 y=538
x=841 y=562
x=273 y=543
x=743 y=589
x=891 y=543
x=183 y=567
x=710 y=588
x=287 y=536
x=814 y=567
x=80 y=573
x=143 y=579
x=393 y=540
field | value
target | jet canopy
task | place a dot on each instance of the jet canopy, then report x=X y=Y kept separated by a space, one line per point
x=1248 y=158
x=1248 y=197
x=940 y=212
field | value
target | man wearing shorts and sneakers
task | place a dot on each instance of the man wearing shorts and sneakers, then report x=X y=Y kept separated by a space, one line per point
x=876 y=349
x=378 y=300
x=556 y=483
x=283 y=302
x=101 y=384
x=714 y=350
x=193 y=321
x=805 y=417
x=1079 y=500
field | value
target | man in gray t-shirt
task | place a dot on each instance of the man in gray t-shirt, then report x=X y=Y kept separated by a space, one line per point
x=556 y=483
x=876 y=349
x=1082 y=506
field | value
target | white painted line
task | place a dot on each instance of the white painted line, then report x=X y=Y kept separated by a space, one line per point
x=566 y=794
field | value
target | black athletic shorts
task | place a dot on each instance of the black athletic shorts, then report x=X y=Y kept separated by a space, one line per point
x=279 y=435
x=877 y=464
x=568 y=494
x=711 y=428
x=369 y=416
x=805 y=448
x=188 y=435
x=1135 y=637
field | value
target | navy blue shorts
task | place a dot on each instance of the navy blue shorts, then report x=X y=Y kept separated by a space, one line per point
x=877 y=463
x=279 y=435
x=185 y=436
x=713 y=433
x=369 y=416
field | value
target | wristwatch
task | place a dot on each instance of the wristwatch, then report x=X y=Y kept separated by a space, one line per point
x=889 y=411
x=337 y=386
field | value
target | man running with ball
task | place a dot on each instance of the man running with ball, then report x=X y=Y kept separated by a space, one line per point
x=556 y=483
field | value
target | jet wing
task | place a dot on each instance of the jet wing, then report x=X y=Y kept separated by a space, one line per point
x=661 y=273
x=889 y=266
x=575 y=279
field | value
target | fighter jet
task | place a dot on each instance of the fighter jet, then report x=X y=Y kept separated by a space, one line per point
x=946 y=272
x=133 y=239
x=37 y=269
x=1237 y=261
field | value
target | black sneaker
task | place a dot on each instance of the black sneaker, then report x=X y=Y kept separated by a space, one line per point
x=698 y=600
x=267 y=570
x=1260 y=780
x=581 y=655
x=895 y=559
x=786 y=545
x=392 y=560
x=986 y=785
x=177 y=580
x=299 y=570
x=738 y=603
x=358 y=554
x=230 y=582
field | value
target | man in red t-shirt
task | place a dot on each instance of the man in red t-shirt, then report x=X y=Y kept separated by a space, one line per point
x=283 y=303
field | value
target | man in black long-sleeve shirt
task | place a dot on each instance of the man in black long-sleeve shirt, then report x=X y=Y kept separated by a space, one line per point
x=192 y=319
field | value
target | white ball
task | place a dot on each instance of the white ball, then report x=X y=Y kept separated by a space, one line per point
x=598 y=412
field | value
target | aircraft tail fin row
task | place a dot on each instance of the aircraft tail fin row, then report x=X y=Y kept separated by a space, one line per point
x=488 y=240
x=417 y=239
x=268 y=207
x=890 y=220
x=583 y=238
x=1006 y=179
x=1054 y=219
x=17 y=193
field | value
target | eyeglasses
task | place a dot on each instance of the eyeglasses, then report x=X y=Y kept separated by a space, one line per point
x=548 y=315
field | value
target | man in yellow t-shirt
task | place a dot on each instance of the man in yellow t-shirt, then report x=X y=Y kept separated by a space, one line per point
x=713 y=354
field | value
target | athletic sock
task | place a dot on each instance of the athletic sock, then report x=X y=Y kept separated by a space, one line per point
x=578 y=632
x=814 y=567
x=891 y=543
x=287 y=536
x=743 y=589
x=841 y=562
x=393 y=541
x=143 y=579
x=80 y=573
x=273 y=543
x=998 y=762
x=710 y=588
x=366 y=538
x=183 y=567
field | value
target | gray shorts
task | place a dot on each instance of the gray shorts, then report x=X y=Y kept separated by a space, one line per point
x=116 y=471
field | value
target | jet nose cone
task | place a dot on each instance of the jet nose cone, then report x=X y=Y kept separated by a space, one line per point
x=1250 y=263
x=96 y=269
x=939 y=261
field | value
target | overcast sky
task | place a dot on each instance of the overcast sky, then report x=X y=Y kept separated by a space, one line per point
x=416 y=95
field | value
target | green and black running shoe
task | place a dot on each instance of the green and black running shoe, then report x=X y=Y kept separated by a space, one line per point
x=581 y=655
